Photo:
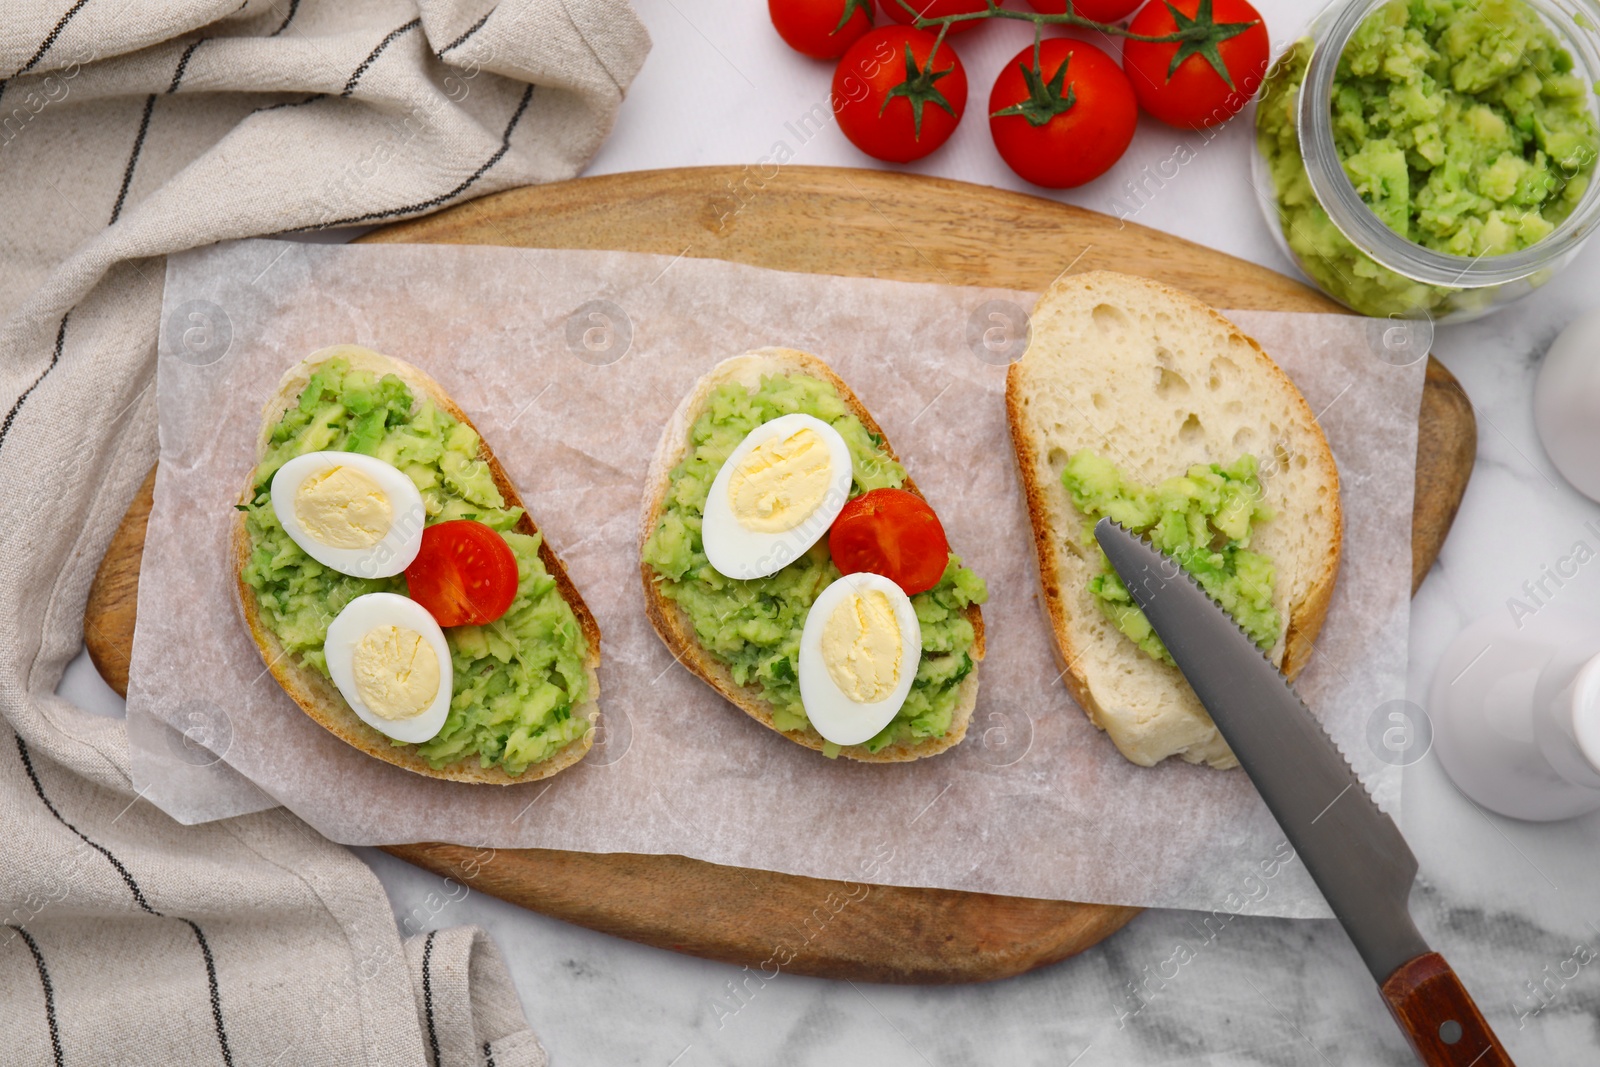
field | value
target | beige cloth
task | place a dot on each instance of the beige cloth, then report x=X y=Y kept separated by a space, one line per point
x=128 y=130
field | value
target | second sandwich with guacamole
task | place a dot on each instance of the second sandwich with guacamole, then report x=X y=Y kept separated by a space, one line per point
x=790 y=562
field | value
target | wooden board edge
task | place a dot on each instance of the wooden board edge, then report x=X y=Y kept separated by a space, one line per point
x=811 y=926
x=1447 y=433
x=713 y=205
x=108 y=614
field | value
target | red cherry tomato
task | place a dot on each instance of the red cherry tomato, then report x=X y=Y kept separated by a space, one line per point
x=934 y=9
x=893 y=533
x=1062 y=134
x=464 y=574
x=1095 y=10
x=821 y=29
x=892 y=102
x=1196 y=95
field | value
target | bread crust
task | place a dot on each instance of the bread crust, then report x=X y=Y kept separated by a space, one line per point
x=1307 y=612
x=673 y=624
x=317 y=696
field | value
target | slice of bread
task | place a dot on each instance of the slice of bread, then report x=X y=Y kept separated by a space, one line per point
x=1156 y=381
x=674 y=625
x=317 y=696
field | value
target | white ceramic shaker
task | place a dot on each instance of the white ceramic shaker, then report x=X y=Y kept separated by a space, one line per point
x=1515 y=709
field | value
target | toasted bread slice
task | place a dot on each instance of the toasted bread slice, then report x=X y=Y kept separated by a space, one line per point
x=317 y=696
x=1156 y=381
x=674 y=625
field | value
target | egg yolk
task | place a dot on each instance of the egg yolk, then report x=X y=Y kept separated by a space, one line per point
x=781 y=482
x=396 y=672
x=342 y=507
x=861 y=646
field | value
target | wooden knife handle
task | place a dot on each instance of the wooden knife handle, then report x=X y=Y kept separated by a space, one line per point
x=1437 y=1014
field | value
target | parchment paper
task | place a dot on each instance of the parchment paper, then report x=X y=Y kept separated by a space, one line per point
x=1036 y=802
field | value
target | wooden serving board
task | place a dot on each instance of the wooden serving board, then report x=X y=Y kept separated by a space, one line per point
x=846 y=222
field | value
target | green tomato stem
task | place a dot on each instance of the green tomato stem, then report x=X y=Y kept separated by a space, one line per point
x=1202 y=31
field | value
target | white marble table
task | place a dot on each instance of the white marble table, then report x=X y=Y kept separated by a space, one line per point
x=1508 y=903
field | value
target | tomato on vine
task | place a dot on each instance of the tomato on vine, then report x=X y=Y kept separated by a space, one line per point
x=821 y=29
x=1062 y=114
x=1205 y=80
x=1192 y=63
x=897 y=97
x=935 y=9
x=1098 y=10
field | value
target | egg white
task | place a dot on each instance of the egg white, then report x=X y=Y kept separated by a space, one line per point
x=834 y=715
x=389 y=556
x=737 y=552
x=367 y=613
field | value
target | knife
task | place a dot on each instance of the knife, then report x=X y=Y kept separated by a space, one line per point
x=1353 y=851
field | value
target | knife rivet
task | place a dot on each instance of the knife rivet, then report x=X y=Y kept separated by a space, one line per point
x=1449 y=1031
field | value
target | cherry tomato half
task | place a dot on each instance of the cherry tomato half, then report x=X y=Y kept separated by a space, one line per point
x=893 y=533
x=892 y=102
x=1196 y=95
x=464 y=574
x=1061 y=134
x=1095 y=10
x=934 y=9
x=821 y=29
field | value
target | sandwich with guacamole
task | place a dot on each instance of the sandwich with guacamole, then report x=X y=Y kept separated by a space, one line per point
x=1139 y=403
x=790 y=562
x=398 y=589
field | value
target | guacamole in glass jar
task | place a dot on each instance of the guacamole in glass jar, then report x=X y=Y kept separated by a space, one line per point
x=1461 y=124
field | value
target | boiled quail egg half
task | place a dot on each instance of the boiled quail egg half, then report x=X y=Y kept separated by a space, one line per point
x=859 y=653
x=390 y=661
x=775 y=496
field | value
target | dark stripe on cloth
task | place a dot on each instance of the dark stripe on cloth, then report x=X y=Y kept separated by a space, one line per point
x=133 y=157
x=183 y=63
x=474 y=28
x=505 y=146
x=49 y=992
x=138 y=894
x=427 y=994
x=294 y=5
x=5 y=427
x=216 y=994
x=350 y=86
x=313 y=98
x=50 y=39
x=38 y=788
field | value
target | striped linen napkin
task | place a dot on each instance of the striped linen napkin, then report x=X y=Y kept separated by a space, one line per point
x=128 y=131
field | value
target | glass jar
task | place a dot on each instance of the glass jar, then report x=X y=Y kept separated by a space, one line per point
x=1324 y=226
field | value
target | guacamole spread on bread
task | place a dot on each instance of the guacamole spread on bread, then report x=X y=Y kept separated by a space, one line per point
x=517 y=679
x=753 y=627
x=1202 y=519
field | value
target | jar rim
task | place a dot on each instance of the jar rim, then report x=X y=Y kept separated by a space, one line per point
x=1331 y=33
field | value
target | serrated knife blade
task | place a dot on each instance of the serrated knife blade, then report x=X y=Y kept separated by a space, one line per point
x=1352 y=850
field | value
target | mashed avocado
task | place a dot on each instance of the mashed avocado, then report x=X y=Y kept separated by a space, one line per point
x=754 y=626
x=1460 y=124
x=516 y=679
x=1202 y=519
